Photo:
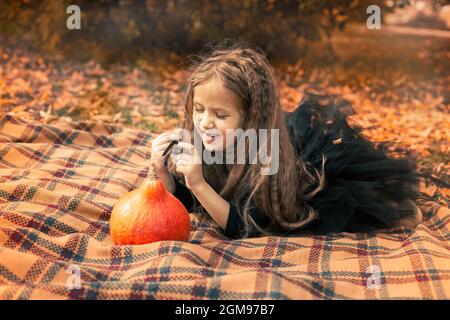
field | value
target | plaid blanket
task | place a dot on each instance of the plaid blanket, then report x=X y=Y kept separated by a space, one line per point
x=59 y=182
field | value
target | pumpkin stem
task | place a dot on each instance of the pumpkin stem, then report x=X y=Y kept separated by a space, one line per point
x=154 y=190
x=152 y=174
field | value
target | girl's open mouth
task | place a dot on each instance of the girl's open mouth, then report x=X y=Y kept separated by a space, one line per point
x=209 y=138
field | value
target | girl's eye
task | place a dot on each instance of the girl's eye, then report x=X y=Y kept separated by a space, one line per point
x=198 y=109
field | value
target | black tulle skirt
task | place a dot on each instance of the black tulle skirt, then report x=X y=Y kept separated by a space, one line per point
x=366 y=188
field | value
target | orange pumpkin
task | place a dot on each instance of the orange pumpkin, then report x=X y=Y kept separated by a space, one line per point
x=148 y=214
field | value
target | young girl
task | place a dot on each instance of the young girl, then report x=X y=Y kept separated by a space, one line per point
x=329 y=177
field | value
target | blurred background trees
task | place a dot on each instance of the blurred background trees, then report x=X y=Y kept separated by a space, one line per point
x=117 y=29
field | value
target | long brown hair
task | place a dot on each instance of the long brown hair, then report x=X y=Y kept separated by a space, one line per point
x=246 y=71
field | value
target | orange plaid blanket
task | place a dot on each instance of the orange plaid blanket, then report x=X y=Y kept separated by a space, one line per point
x=58 y=184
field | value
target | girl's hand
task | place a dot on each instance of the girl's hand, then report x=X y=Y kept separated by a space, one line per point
x=159 y=144
x=189 y=164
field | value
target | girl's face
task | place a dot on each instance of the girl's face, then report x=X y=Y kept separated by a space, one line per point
x=216 y=109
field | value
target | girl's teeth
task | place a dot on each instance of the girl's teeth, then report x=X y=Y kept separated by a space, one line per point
x=210 y=138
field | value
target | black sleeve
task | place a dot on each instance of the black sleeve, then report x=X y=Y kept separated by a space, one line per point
x=184 y=194
x=235 y=225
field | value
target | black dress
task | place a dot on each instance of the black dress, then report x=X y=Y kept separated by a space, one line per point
x=365 y=188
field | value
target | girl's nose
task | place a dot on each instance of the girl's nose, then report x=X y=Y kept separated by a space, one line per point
x=206 y=122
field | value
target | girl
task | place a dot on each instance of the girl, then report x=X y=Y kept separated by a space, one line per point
x=329 y=177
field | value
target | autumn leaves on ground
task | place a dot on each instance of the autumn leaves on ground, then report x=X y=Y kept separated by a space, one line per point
x=395 y=82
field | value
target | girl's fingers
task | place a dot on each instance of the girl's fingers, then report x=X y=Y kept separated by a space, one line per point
x=176 y=157
x=161 y=137
x=185 y=159
x=161 y=147
x=185 y=147
x=166 y=137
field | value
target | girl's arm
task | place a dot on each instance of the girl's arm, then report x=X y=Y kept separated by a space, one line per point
x=234 y=224
x=213 y=203
x=175 y=187
x=225 y=214
x=189 y=163
x=217 y=207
